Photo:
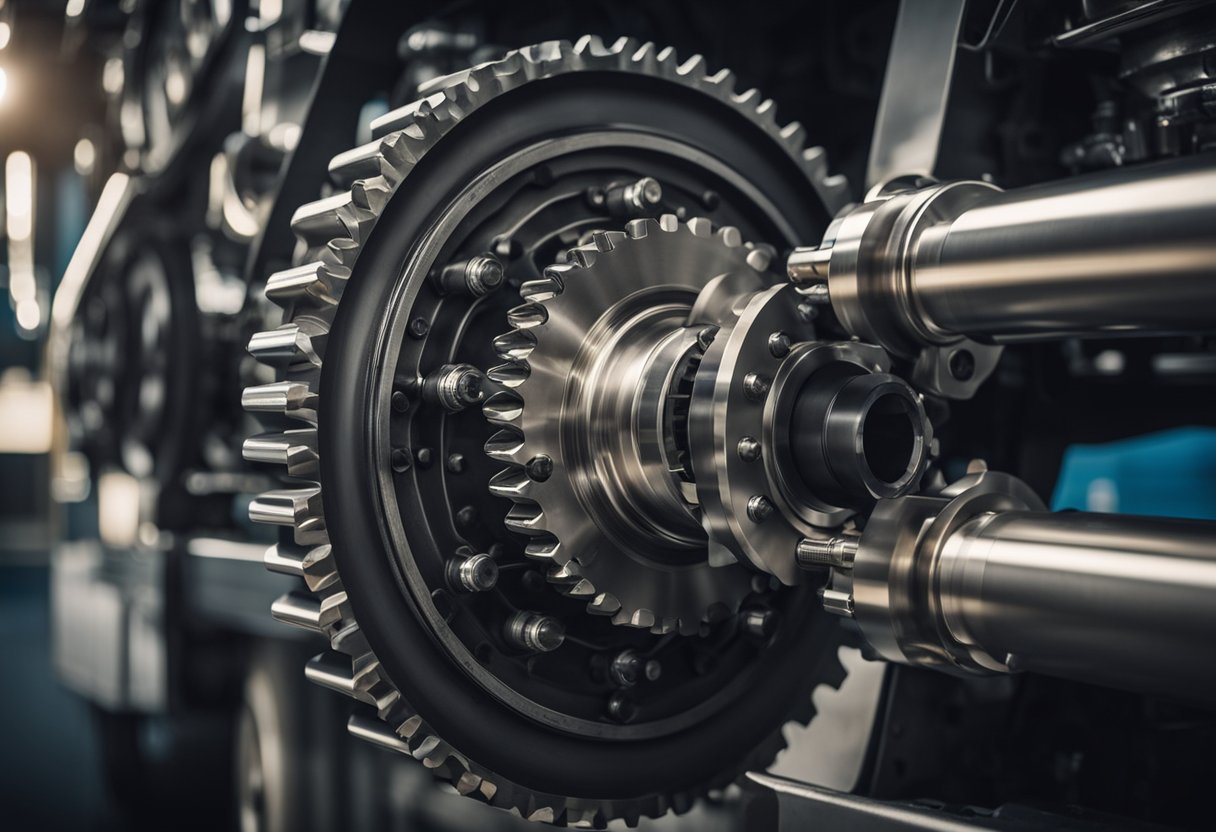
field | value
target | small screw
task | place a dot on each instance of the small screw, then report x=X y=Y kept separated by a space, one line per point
x=400 y=460
x=478 y=573
x=620 y=708
x=748 y=449
x=759 y=508
x=756 y=386
x=706 y=337
x=779 y=344
x=424 y=457
x=419 y=328
x=455 y=463
x=466 y=517
x=758 y=622
x=535 y=632
x=400 y=402
x=540 y=467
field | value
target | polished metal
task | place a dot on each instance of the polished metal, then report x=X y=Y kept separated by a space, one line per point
x=836 y=552
x=981 y=579
x=915 y=89
x=454 y=387
x=535 y=632
x=477 y=276
x=605 y=340
x=942 y=273
x=475 y=573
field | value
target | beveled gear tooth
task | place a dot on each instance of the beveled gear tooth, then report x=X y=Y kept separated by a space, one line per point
x=669 y=223
x=543 y=288
x=565 y=573
x=547 y=549
x=371 y=194
x=503 y=408
x=639 y=619
x=815 y=160
x=584 y=256
x=525 y=518
x=506 y=445
x=639 y=228
x=292 y=399
x=296 y=508
x=295 y=450
x=693 y=67
x=604 y=604
x=308 y=612
x=723 y=79
x=287 y=346
x=318 y=222
x=515 y=345
x=730 y=236
x=512 y=483
x=316 y=284
x=581 y=588
x=368 y=727
x=510 y=375
x=794 y=135
x=644 y=55
x=700 y=227
x=312 y=563
x=760 y=258
x=333 y=671
x=377 y=158
x=528 y=316
x=666 y=626
x=766 y=111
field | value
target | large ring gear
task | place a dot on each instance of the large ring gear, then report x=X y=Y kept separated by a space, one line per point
x=606 y=238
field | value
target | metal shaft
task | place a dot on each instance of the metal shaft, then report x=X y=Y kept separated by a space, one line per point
x=1123 y=601
x=1125 y=251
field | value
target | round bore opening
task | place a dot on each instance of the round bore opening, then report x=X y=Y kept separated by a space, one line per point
x=888 y=437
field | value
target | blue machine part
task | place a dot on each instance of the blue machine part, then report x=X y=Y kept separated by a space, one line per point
x=1168 y=474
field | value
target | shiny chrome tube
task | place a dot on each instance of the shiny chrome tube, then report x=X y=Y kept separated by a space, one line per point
x=944 y=273
x=1128 y=602
x=980 y=579
x=1129 y=250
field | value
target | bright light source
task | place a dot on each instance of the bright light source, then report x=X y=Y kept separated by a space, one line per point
x=75 y=7
x=85 y=157
x=19 y=195
x=112 y=76
x=6 y=34
x=3 y=84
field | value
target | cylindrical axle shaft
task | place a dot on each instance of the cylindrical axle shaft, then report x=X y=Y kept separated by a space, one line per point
x=1124 y=251
x=979 y=580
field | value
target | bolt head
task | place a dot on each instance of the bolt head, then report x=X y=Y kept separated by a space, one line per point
x=478 y=573
x=469 y=387
x=400 y=402
x=455 y=463
x=779 y=344
x=620 y=708
x=540 y=467
x=466 y=517
x=400 y=460
x=807 y=312
x=652 y=670
x=756 y=386
x=760 y=508
x=758 y=622
x=548 y=634
x=424 y=457
x=419 y=327
x=748 y=449
x=485 y=273
x=650 y=190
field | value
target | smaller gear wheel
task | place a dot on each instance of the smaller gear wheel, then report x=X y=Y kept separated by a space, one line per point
x=596 y=372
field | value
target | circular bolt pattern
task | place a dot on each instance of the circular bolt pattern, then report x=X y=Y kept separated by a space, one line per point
x=478 y=573
x=748 y=449
x=779 y=344
x=540 y=467
x=756 y=386
x=760 y=508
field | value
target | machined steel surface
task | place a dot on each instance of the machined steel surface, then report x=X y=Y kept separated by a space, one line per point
x=932 y=269
x=980 y=579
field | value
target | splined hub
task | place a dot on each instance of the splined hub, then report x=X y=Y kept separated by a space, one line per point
x=595 y=378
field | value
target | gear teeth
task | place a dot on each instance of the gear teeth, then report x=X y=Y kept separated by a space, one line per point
x=289 y=345
x=515 y=345
x=641 y=619
x=700 y=227
x=369 y=727
x=295 y=450
x=760 y=258
x=297 y=508
x=308 y=612
x=330 y=233
x=528 y=316
x=729 y=236
x=312 y=563
x=604 y=604
x=317 y=284
x=794 y=135
x=292 y=399
x=547 y=549
x=512 y=483
x=503 y=408
x=511 y=375
x=354 y=678
x=506 y=446
x=525 y=518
